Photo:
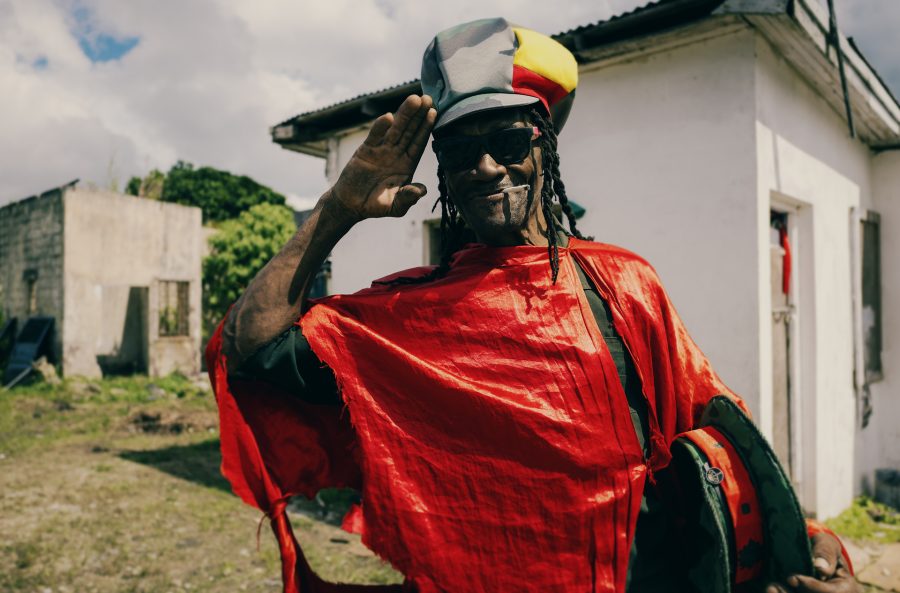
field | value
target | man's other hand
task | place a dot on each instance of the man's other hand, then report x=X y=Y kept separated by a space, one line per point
x=832 y=573
x=376 y=180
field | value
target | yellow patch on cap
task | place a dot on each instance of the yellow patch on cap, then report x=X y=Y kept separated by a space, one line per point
x=547 y=57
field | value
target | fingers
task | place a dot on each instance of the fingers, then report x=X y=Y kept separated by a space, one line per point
x=415 y=123
x=409 y=115
x=826 y=552
x=379 y=128
x=841 y=583
x=407 y=197
x=420 y=140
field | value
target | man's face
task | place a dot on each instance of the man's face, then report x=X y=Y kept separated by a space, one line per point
x=511 y=218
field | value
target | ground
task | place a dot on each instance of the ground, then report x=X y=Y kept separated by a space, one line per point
x=114 y=486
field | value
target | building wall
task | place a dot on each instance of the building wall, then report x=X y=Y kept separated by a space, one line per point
x=809 y=166
x=879 y=443
x=118 y=248
x=660 y=151
x=31 y=238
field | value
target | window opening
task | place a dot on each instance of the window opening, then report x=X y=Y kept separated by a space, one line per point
x=871 y=297
x=30 y=276
x=173 y=308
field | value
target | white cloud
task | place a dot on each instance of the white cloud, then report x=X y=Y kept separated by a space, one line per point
x=209 y=77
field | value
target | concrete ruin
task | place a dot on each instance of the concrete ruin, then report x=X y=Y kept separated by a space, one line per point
x=120 y=275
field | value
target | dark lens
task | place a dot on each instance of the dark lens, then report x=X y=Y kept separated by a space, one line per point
x=509 y=146
x=458 y=153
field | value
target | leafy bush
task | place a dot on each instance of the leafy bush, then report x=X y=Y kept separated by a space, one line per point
x=150 y=187
x=238 y=251
x=867 y=519
x=220 y=194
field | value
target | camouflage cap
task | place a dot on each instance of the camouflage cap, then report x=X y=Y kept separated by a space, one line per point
x=742 y=522
x=491 y=64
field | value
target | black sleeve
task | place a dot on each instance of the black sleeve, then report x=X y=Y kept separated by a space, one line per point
x=289 y=363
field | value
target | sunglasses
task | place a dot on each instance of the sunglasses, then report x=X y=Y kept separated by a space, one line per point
x=506 y=147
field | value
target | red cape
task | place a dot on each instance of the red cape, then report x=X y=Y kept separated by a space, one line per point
x=491 y=439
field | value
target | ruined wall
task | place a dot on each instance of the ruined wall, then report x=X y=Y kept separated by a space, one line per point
x=118 y=249
x=31 y=250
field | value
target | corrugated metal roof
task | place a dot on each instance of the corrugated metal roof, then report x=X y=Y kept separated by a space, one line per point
x=615 y=17
x=351 y=100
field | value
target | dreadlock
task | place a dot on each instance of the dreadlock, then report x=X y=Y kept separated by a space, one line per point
x=453 y=227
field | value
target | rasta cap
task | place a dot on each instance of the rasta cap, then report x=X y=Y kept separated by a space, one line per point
x=491 y=64
x=741 y=521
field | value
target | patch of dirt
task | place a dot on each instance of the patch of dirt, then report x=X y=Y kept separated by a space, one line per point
x=164 y=422
x=140 y=507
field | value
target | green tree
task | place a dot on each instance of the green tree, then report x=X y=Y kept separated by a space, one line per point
x=240 y=248
x=220 y=194
x=149 y=187
x=133 y=187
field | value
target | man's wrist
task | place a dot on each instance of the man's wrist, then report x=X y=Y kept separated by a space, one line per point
x=336 y=212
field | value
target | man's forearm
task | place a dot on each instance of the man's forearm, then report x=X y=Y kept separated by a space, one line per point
x=276 y=296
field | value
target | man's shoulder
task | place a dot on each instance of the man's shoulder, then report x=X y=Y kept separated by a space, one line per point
x=609 y=255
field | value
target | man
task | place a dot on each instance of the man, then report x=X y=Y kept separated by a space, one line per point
x=510 y=407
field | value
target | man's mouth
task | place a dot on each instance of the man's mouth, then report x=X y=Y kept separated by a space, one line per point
x=502 y=192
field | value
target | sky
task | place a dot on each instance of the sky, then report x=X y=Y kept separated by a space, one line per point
x=102 y=90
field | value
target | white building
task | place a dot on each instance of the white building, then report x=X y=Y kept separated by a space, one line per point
x=697 y=126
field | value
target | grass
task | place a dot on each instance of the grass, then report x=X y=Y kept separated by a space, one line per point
x=868 y=520
x=81 y=409
x=114 y=485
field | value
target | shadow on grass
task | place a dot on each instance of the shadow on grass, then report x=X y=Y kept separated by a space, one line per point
x=200 y=463
x=196 y=463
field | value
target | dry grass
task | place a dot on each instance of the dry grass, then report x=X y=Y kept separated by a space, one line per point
x=114 y=486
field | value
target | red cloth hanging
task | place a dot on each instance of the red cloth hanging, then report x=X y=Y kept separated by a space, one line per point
x=786 y=266
x=491 y=439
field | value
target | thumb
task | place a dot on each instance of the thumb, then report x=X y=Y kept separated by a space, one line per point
x=406 y=198
x=824 y=567
x=826 y=550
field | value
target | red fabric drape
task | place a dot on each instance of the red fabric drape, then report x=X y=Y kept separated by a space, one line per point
x=490 y=438
x=786 y=266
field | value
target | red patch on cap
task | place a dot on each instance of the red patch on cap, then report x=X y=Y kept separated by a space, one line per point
x=526 y=82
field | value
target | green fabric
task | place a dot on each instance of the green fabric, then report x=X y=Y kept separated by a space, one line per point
x=787 y=543
x=289 y=363
x=706 y=523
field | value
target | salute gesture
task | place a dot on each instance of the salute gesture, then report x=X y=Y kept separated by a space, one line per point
x=376 y=181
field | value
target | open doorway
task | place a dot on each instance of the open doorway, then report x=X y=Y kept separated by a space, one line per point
x=783 y=321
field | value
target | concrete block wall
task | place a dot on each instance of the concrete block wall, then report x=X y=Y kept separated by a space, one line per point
x=31 y=238
x=118 y=248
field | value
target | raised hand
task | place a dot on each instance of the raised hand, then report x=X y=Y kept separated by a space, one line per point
x=376 y=180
